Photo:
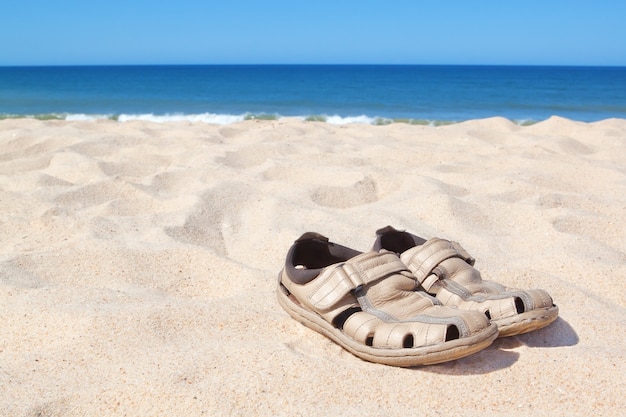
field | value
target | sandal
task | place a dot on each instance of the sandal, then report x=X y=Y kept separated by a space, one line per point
x=445 y=270
x=368 y=304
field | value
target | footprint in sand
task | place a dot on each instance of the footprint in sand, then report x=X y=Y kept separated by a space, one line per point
x=203 y=227
x=14 y=275
x=248 y=157
x=230 y=132
x=46 y=180
x=166 y=185
x=88 y=195
x=124 y=169
x=573 y=147
x=362 y=192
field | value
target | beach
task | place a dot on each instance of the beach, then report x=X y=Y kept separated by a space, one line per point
x=139 y=260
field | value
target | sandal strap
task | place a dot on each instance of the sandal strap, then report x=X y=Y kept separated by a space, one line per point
x=424 y=259
x=336 y=282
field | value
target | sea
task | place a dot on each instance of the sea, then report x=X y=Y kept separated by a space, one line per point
x=340 y=94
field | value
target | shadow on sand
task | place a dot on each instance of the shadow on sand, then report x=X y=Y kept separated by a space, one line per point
x=558 y=334
x=500 y=354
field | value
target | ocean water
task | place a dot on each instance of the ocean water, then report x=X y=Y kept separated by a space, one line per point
x=377 y=94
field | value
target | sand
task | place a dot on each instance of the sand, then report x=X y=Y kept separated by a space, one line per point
x=138 y=263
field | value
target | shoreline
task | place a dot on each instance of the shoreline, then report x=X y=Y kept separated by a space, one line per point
x=139 y=259
x=226 y=119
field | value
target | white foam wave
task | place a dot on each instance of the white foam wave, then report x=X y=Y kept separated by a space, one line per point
x=221 y=119
x=339 y=120
x=80 y=116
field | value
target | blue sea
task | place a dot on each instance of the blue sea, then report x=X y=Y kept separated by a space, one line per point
x=376 y=94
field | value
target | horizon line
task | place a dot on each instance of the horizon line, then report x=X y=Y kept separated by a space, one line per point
x=310 y=65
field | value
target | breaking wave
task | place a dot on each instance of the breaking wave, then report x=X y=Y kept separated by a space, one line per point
x=225 y=119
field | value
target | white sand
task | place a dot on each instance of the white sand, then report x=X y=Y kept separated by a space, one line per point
x=138 y=263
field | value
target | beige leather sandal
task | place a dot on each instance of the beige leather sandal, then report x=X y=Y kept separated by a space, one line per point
x=367 y=303
x=444 y=269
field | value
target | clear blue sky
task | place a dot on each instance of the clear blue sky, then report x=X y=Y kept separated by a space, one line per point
x=534 y=32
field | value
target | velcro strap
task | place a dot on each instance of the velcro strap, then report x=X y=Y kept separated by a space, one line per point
x=335 y=282
x=422 y=260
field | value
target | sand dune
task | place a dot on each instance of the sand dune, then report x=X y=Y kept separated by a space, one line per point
x=138 y=263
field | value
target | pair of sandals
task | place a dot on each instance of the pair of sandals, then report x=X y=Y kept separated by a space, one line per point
x=407 y=302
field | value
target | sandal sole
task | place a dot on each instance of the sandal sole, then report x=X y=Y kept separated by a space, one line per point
x=405 y=357
x=527 y=322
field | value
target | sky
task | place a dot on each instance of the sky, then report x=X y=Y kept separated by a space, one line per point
x=480 y=32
